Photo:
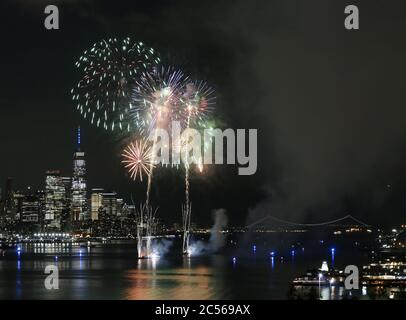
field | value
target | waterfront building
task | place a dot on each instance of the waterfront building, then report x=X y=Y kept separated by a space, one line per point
x=96 y=203
x=66 y=212
x=8 y=209
x=55 y=200
x=32 y=210
x=109 y=203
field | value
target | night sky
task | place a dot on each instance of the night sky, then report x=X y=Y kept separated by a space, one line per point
x=329 y=104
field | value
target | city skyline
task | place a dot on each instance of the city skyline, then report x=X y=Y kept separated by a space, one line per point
x=343 y=164
x=65 y=201
x=62 y=205
x=202 y=150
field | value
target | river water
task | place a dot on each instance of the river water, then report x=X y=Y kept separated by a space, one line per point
x=112 y=271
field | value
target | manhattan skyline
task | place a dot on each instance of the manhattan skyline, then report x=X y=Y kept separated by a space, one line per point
x=218 y=151
x=349 y=162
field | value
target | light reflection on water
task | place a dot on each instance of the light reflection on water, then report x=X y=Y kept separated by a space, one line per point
x=114 y=272
x=179 y=283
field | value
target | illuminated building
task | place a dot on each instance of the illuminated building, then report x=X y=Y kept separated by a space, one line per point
x=65 y=219
x=32 y=210
x=105 y=201
x=55 y=196
x=79 y=207
x=8 y=209
x=96 y=203
x=106 y=212
x=324 y=266
x=109 y=202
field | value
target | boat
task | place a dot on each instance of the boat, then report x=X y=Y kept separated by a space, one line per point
x=320 y=277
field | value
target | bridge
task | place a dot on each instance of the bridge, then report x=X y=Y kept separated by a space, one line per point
x=319 y=224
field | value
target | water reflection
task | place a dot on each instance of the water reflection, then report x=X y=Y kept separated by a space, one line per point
x=322 y=292
x=190 y=280
x=114 y=272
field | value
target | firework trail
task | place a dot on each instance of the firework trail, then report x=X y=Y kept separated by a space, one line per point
x=198 y=100
x=199 y=103
x=151 y=168
x=146 y=227
x=187 y=209
x=186 y=218
x=109 y=70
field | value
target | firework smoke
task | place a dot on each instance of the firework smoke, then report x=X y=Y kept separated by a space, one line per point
x=217 y=238
x=161 y=247
x=146 y=227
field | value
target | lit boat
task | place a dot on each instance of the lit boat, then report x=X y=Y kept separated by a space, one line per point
x=320 y=277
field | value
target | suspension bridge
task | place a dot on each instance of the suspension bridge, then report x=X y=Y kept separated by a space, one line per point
x=318 y=224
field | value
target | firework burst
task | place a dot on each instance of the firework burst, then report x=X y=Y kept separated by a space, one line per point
x=138 y=159
x=157 y=102
x=198 y=100
x=157 y=99
x=109 y=70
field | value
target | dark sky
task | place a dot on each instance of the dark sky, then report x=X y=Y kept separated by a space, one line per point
x=328 y=103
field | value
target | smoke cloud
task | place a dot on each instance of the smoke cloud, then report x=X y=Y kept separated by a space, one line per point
x=217 y=238
x=161 y=247
x=331 y=135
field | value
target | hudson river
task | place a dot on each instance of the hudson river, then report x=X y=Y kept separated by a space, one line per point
x=112 y=271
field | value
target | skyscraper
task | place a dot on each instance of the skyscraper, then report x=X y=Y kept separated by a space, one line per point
x=55 y=194
x=32 y=210
x=107 y=222
x=66 y=213
x=79 y=208
x=106 y=201
x=96 y=202
x=8 y=205
x=110 y=203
